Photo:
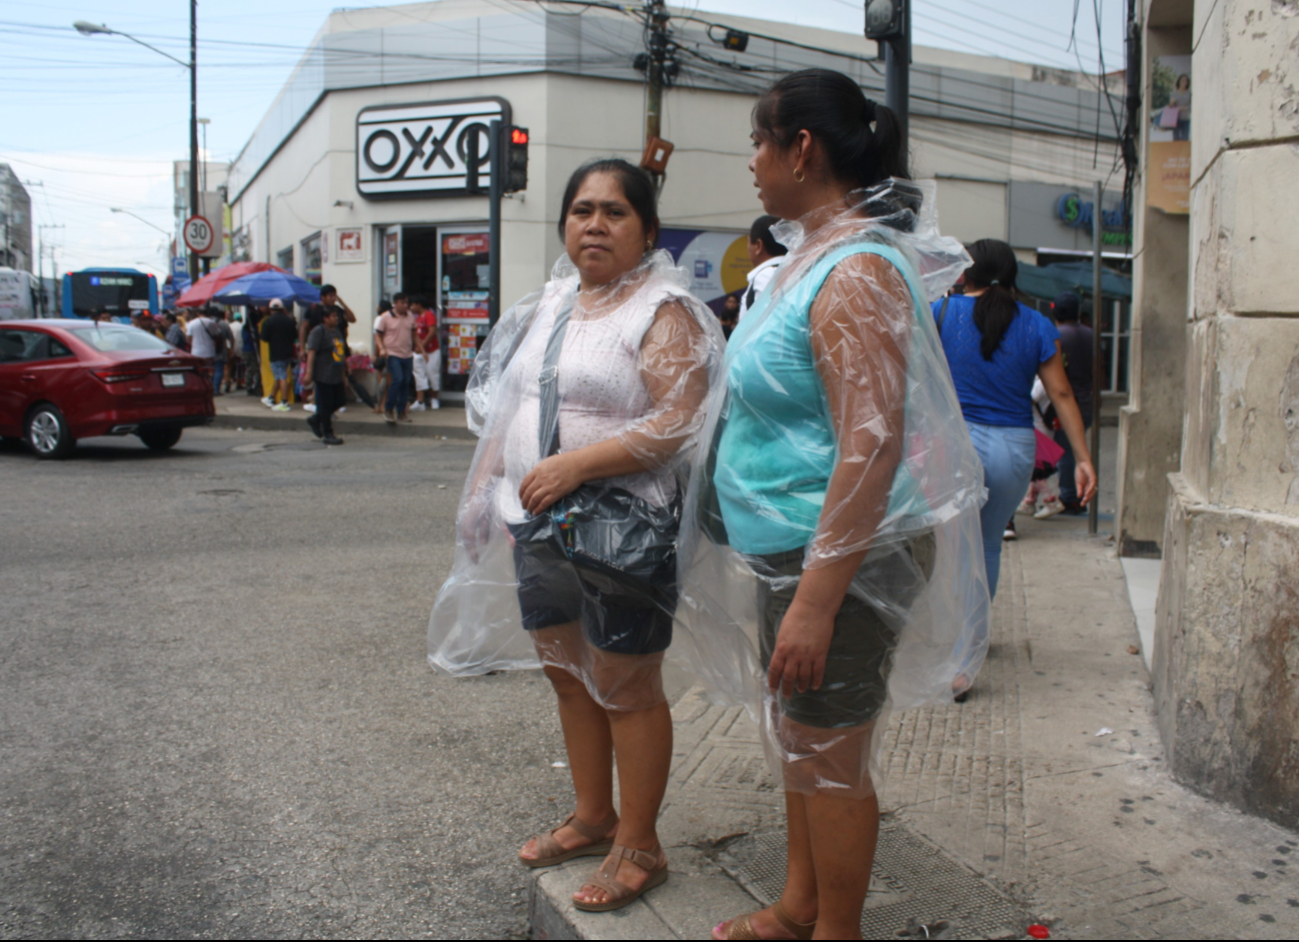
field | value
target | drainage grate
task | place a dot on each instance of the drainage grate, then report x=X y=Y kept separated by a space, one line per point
x=913 y=885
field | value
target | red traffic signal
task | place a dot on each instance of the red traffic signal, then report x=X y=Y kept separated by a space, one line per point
x=516 y=161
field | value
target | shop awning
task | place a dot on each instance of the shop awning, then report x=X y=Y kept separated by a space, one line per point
x=1047 y=281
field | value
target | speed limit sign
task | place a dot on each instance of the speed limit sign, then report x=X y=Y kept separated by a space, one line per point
x=199 y=235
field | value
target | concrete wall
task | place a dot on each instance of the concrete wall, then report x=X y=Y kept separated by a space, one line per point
x=1226 y=660
x=1150 y=425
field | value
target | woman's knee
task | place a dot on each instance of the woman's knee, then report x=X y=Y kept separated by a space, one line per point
x=564 y=682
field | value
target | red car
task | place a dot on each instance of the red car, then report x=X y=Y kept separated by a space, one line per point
x=64 y=379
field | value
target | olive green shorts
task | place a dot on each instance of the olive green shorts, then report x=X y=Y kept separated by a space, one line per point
x=855 y=684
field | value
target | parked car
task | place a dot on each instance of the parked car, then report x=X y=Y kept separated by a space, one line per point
x=63 y=379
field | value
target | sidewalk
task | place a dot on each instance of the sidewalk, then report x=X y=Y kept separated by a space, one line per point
x=240 y=411
x=1043 y=798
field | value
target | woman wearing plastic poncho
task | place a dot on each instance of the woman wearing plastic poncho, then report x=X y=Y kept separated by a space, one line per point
x=586 y=397
x=832 y=530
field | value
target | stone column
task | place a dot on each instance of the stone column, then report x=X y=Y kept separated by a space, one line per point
x=1150 y=425
x=1226 y=659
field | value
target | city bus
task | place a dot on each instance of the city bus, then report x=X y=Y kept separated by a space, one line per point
x=120 y=291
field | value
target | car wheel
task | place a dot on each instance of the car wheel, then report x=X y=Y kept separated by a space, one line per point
x=160 y=439
x=48 y=433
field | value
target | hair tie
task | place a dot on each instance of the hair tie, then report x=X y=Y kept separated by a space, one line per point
x=993 y=282
x=868 y=112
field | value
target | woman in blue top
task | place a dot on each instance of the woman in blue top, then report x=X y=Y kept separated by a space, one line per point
x=996 y=347
x=840 y=494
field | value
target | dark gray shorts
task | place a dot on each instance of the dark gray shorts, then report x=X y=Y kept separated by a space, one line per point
x=857 y=666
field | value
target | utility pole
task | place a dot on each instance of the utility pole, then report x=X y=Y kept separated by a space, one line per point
x=40 y=262
x=1098 y=367
x=888 y=22
x=193 y=127
x=658 y=54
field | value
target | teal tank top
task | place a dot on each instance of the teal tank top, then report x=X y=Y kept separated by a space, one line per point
x=777 y=449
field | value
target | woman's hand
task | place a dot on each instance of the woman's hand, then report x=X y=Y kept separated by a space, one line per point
x=801 y=648
x=1084 y=476
x=555 y=477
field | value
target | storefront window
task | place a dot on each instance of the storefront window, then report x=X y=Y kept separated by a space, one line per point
x=311 y=267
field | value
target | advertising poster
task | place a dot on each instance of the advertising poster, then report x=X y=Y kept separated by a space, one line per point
x=1168 y=181
x=717 y=262
x=462 y=346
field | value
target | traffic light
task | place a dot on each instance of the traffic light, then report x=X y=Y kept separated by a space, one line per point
x=885 y=19
x=516 y=161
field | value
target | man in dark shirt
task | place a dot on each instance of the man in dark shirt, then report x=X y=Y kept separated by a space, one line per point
x=1076 y=345
x=280 y=334
x=326 y=370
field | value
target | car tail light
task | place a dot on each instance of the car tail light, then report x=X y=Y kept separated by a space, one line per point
x=118 y=375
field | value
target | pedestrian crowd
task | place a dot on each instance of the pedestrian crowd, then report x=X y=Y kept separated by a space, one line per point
x=308 y=358
x=800 y=495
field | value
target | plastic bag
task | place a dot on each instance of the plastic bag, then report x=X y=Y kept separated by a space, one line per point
x=592 y=578
x=837 y=433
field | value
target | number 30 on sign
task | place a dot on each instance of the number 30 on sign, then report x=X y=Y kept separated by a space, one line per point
x=198 y=234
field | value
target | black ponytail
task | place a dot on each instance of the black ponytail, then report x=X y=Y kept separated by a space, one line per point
x=832 y=108
x=995 y=270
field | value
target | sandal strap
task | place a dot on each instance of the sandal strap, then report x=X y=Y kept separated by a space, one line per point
x=646 y=860
x=592 y=832
x=800 y=930
x=742 y=928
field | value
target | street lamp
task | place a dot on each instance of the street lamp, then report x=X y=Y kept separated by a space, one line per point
x=115 y=209
x=90 y=29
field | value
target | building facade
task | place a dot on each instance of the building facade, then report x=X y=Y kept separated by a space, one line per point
x=1209 y=460
x=15 y=222
x=1005 y=141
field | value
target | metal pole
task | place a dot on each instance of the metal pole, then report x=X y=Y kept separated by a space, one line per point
x=193 y=128
x=658 y=49
x=1098 y=367
x=496 y=162
x=897 y=75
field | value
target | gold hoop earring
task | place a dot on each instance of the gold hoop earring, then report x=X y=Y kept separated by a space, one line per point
x=799 y=175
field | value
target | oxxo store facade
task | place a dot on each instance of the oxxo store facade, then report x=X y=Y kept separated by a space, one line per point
x=388 y=208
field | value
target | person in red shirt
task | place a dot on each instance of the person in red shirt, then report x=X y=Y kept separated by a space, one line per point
x=428 y=356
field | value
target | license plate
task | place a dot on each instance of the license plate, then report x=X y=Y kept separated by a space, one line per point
x=173 y=379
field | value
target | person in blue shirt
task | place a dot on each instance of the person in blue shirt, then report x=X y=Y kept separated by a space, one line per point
x=995 y=347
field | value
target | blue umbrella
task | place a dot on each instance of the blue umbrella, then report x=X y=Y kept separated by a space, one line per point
x=262 y=286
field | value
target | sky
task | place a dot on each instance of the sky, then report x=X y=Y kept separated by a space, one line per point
x=92 y=123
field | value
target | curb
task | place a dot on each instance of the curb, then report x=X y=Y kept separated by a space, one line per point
x=296 y=422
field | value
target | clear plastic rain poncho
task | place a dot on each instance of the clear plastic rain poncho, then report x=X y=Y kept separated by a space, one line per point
x=836 y=431
x=589 y=584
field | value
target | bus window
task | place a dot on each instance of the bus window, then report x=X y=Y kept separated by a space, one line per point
x=121 y=292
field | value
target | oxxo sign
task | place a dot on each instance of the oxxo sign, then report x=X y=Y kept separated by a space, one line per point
x=424 y=149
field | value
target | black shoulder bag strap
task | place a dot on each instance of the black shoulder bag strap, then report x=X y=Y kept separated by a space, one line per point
x=942 y=314
x=548 y=426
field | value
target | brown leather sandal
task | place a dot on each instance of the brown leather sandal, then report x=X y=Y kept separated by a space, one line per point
x=552 y=852
x=620 y=894
x=742 y=928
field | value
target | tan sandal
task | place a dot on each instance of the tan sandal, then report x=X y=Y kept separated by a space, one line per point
x=552 y=852
x=620 y=894
x=742 y=928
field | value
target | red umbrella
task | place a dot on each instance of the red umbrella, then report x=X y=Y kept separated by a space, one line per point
x=201 y=291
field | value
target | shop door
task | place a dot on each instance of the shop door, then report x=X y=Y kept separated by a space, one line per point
x=419 y=262
x=464 y=255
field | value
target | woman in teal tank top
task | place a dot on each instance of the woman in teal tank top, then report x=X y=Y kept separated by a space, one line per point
x=836 y=511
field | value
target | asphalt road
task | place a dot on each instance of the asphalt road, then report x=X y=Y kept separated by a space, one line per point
x=216 y=717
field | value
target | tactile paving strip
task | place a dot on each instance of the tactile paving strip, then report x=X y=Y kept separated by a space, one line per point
x=913 y=886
